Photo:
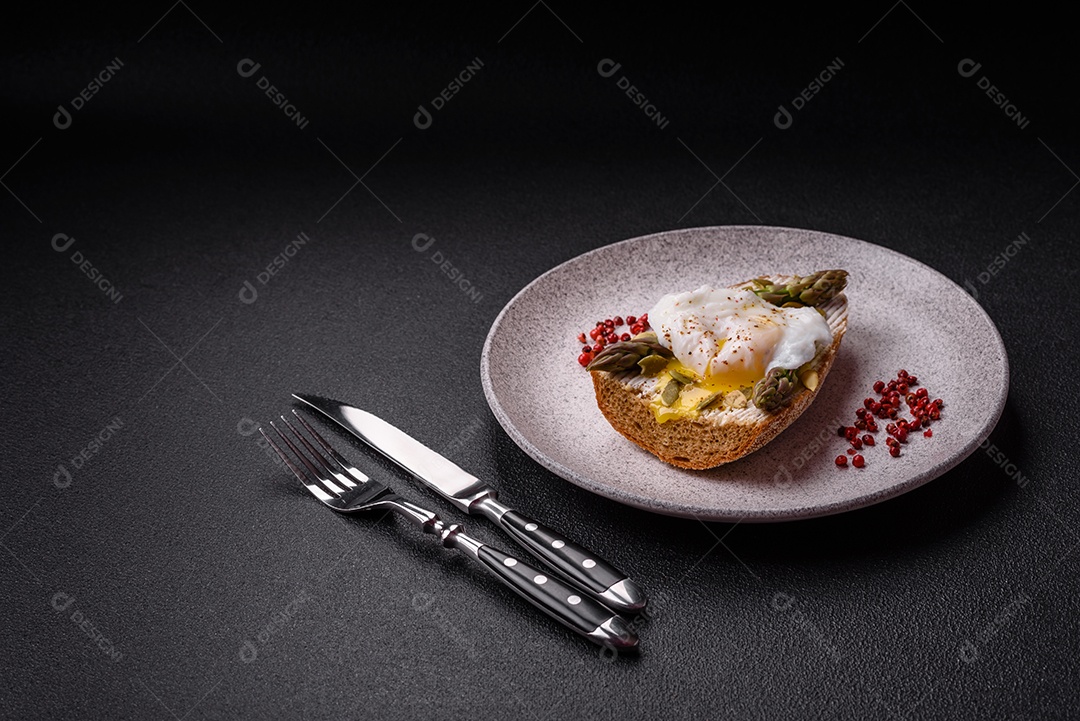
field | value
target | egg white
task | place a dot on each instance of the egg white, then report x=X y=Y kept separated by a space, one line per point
x=733 y=337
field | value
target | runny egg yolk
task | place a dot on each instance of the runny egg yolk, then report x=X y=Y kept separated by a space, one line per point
x=730 y=338
x=732 y=380
x=690 y=397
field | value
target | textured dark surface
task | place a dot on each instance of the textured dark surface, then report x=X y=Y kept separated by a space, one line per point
x=224 y=591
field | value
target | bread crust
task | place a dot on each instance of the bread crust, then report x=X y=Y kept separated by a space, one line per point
x=715 y=437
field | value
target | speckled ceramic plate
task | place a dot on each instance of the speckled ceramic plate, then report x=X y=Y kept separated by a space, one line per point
x=902 y=314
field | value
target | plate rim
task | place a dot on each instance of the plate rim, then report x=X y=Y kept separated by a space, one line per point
x=667 y=508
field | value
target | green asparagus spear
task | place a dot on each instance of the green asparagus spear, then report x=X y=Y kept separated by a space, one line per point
x=776 y=389
x=625 y=355
x=814 y=289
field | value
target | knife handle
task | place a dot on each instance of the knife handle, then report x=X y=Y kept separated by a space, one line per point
x=592 y=573
x=559 y=600
x=551 y=595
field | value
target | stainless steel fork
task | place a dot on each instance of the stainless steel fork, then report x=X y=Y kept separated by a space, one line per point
x=342 y=487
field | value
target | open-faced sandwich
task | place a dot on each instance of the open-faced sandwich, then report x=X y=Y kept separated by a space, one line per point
x=722 y=370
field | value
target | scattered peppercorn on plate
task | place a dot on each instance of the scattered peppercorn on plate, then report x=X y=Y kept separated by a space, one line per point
x=715 y=384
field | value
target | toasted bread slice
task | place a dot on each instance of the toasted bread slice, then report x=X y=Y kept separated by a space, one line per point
x=717 y=435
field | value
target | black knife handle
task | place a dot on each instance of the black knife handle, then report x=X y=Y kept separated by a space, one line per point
x=559 y=600
x=592 y=573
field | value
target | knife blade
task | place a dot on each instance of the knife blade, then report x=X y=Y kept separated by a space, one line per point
x=468 y=493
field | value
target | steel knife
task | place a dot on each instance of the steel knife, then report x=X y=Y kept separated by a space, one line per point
x=468 y=493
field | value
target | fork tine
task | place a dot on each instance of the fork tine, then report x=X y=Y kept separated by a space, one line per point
x=315 y=490
x=348 y=467
x=320 y=476
x=320 y=458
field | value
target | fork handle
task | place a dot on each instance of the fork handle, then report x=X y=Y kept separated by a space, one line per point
x=559 y=600
x=584 y=567
x=551 y=595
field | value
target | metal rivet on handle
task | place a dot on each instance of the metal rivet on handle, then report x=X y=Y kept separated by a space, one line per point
x=530 y=526
x=588 y=563
x=557 y=544
x=510 y=562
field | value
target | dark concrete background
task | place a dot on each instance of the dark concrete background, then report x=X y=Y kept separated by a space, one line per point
x=196 y=579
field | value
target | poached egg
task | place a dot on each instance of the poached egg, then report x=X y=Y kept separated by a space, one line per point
x=731 y=338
